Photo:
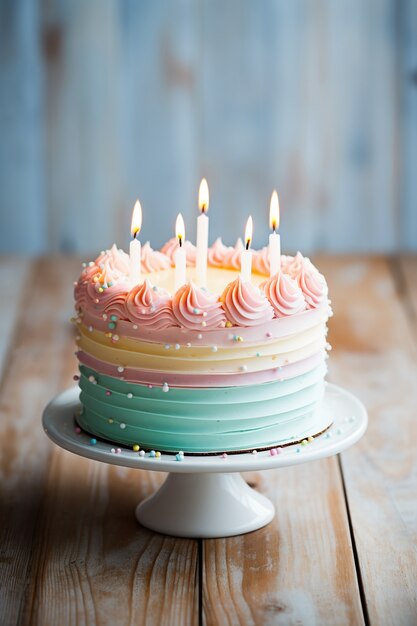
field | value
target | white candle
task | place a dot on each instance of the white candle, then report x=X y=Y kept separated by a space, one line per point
x=274 y=238
x=180 y=256
x=135 y=247
x=246 y=256
x=202 y=234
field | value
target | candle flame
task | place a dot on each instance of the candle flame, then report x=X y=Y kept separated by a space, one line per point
x=248 y=232
x=180 y=229
x=136 y=220
x=274 y=211
x=203 y=196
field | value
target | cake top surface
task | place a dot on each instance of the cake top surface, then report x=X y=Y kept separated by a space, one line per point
x=104 y=289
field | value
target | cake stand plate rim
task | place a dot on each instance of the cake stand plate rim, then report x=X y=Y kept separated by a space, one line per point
x=349 y=424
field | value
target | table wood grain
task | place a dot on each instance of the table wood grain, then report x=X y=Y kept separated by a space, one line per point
x=342 y=548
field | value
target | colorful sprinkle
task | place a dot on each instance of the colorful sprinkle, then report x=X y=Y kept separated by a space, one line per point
x=90 y=329
x=254 y=452
x=167 y=346
x=111 y=325
x=142 y=453
x=304 y=442
x=77 y=430
x=108 y=392
x=273 y=452
x=120 y=369
x=136 y=447
x=196 y=311
x=113 y=450
x=269 y=334
x=179 y=457
x=130 y=396
x=228 y=324
x=113 y=317
x=310 y=439
x=243 y=368
x=214 y=348
x=158 y=454
x=177 y=346
x=110 y=421
x=223 y=456
x=165 y=387
x=298 y=450
x=122 y=425
x=93 y=441
x=118 y=450
x=152 y=454
x=92 y=380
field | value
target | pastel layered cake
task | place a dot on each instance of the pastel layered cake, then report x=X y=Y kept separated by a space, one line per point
x=235 y=367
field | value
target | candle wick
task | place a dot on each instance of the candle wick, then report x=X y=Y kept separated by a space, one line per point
x=247 y=244
x=180 y=241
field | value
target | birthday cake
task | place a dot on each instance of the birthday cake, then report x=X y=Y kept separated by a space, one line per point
x=238 y=365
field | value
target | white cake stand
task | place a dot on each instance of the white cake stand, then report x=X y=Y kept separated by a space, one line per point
x=205 y=496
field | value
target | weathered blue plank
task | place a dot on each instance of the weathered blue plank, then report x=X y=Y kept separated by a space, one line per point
x=144 y=98
x=22 y=166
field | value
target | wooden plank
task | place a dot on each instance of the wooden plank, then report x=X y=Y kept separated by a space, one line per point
x=93 y=563
x=39 y=365
x=13 y=279
x=375 y=357
x=71 y=549
x=408 y=269
x=297 y=570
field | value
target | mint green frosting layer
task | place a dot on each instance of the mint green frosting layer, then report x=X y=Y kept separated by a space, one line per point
x=199 y=420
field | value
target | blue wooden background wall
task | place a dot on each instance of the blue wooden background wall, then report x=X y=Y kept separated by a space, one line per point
x=105 y=100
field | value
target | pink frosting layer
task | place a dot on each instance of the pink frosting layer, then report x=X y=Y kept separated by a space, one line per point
x=195 y=308
x=146 y=377
x=252 y=335
x=103 y=288
x=171 y=247
x=284 y=295
x=245 y=305
x=149 y=307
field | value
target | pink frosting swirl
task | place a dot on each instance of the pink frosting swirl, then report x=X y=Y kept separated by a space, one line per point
x=245 y=305
x=149 y=307
x=260 y=261
x=195 y=308
x=114 y=266
x=153 y=260
x=284 y=295
x=218 y=253
x=293 y=265
x=110 y=300
x=232 y=258
x=313 y=285
x=170 y=247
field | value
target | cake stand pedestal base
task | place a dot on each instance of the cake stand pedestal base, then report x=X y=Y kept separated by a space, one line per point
x=205 y=505
x=205 y=496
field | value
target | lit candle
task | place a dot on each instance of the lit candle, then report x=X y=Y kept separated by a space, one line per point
x=246 y=256
x=202 y=234
x=135 y=247
x=180 y=256
x=274 y=238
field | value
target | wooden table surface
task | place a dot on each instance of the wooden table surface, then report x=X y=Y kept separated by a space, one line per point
x=342 y=548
